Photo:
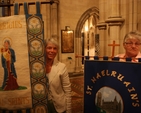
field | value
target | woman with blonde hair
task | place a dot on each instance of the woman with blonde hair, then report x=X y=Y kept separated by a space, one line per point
x=59 y=93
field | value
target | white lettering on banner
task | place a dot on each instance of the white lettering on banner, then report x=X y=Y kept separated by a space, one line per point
x=121 y=78
x=15 y=101
x=11 y=25
x=18 y=101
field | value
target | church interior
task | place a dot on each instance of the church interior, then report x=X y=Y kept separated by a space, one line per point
x=83 y=28
x=95 y=26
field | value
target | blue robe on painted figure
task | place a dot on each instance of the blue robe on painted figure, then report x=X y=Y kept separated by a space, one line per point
x=10 y=76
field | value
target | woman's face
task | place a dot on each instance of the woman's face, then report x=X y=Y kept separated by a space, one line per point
x=132 y=47
x=51 y=51
x=6 y=45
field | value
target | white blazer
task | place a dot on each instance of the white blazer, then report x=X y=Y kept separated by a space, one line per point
x=60 y=87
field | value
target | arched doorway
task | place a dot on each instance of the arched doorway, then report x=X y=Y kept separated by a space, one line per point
x=86 y=36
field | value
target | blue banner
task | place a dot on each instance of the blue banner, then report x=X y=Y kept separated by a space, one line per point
x=112 y=87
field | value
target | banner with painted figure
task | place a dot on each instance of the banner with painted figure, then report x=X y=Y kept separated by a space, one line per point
x=23 y=82
x=15 y=87
x=112 y=87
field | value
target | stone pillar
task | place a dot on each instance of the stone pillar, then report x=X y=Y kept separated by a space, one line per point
x=114 y=22
x=102 y=26
x=54 y=19
x=133 y=15
x=54 y=22
x=85 y=29
x=102 y=13
x=78 y=63
x=78 y=50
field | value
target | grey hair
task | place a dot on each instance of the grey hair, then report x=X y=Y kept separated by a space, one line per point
x=132 y=35
x=53 y=41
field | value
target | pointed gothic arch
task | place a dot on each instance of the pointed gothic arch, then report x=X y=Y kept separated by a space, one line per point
x=92 y=12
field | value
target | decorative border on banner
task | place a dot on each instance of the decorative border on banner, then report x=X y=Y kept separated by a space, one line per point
x=37 y=62
x=35 y=38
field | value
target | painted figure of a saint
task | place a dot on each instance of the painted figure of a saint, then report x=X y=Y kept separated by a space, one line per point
x=8 y=59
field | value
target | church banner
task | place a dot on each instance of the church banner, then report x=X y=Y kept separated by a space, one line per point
x=23 y=82
x=15 y=87
x=112 y=87
x=35 y=36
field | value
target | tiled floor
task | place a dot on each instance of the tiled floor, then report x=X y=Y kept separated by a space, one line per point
x=77 y=93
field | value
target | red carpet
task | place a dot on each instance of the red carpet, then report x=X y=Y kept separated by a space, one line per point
x=77 y=84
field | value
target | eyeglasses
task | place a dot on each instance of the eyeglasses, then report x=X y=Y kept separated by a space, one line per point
x=131 y=44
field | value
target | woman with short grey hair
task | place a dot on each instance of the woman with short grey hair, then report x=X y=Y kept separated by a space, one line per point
x=132 y=45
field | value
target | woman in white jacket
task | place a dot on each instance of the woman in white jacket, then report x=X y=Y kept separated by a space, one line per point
x=59 y=93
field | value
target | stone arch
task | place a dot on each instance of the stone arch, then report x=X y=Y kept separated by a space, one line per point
x=94 y=11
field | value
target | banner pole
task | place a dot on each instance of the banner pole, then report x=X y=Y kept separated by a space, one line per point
x=29 y=3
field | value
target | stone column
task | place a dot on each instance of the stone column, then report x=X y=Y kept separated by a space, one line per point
x=86 y=51
x=78 y=63
x=114 y=22
x=54 y=19
x=133 y=15
x=54 y=22
x=102 y=26
x=102 y=15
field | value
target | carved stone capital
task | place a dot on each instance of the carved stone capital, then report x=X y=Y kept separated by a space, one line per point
x=115 y=21
x=101 y=26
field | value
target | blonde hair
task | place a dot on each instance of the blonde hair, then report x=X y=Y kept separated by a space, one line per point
x=53 y=41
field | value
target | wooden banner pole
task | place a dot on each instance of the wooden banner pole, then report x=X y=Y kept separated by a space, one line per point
x=29 y=3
